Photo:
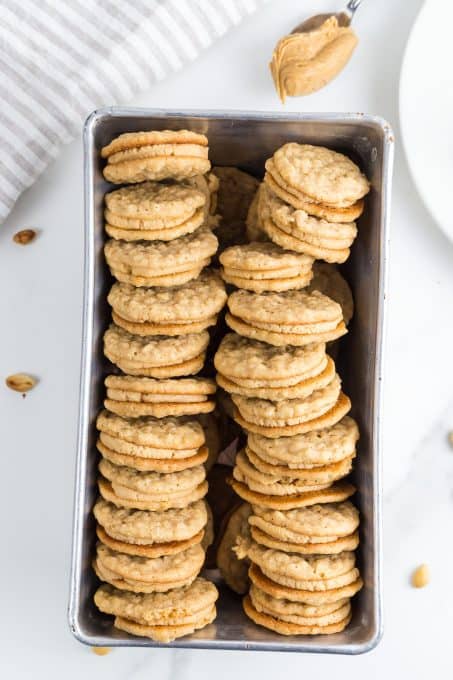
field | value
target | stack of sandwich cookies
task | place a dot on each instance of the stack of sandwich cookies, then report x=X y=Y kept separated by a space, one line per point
x=156 y=155
x=265 y=267
x=301 y=443
x=179 y=310
x=153 y=522
x=162 y=617
x=161 y=263
x=303 y=233
x=296 y=592
x=322 y=182
x=293 y=405
x=294 y=317
x=151 y=514
x=134 y=397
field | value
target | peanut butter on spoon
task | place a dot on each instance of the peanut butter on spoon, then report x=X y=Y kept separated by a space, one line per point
x=305 y=61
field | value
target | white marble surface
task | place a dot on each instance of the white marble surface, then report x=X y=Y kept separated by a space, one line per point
x=40 y=308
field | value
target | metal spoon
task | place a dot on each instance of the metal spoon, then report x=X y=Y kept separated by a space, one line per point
x=344 y=18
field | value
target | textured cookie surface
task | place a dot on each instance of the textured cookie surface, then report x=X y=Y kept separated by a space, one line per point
x=319 y=474
x=166 y=433
x=334 y=493
x=287 y=607
x=295 y=594
x=144 y=328
x=235 y=193
x=248 y=359
x=282 y=485
x=166 y=633
x=152 y=483
x=318 y=618
x=157 y=608
x=151 y=550
x=182 y=386
x=156 y=168
x=157 y=409
x=158 y=570
x=129 y=140
x=322 y=174
x=263 y=256
x=292 y=307
x=153 y=350
x=291 y=411
x=155 y=201
x=301 y=201
x=299 y=390
x=195 y=300
x=326 y=520
x=278 y=429
x=328 y=280
x=312 y=448
x=130 y=498
x=300 y=243
x=293 y=219
x=159 y=257
x=144 y=527
x=234 y=570
x=301 y=568
x=286 y=628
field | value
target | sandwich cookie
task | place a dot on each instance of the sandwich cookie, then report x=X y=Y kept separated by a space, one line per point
x=295 y=317
x=130 y=396
x=163 y=617
x=165 y=154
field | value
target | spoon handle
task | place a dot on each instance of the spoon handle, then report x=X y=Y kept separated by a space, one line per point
x=352 y=6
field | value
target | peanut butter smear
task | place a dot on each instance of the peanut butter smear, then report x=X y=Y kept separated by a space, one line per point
x=303 y=63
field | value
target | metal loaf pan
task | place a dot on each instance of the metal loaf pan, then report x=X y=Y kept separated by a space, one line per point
x=246 y=139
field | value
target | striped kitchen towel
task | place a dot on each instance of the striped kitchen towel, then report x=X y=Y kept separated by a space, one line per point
x=60 y=59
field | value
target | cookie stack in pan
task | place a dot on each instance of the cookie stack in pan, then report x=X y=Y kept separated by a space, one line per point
x=287 y=396
x=152 y=519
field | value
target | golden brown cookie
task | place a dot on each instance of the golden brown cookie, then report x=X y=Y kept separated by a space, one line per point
x=234 y=570
x=160 y=616
x=287 y=628
x=145 y=528
x=155 y=356
x=310 y=597
x=326 y=420
x=337 y=492
x=156 y=155
x=146 y=574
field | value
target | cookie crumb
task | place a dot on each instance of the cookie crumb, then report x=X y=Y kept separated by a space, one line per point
x=101 y=651
x=24 y=236
x=20 y=382
x=420 y=577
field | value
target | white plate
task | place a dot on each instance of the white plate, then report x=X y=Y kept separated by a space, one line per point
x=426 y=109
